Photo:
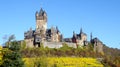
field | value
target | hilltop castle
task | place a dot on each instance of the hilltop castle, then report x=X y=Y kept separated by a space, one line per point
x=52 y=37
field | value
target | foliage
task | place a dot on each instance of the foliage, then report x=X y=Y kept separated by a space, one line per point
x=63 y=51
x=0 y=55
x=112 y=56
x=62 y=62
x=23 y=45
x=109 y=60
x=12 y=57
x=10 y=38
x=36 y=62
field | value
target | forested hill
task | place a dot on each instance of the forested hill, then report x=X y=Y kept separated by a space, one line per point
x=111 y=56
x=111 y=51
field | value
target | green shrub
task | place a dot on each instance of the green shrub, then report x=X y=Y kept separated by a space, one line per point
x=12 y=57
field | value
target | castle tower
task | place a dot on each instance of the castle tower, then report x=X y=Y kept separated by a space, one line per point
x=41 y=21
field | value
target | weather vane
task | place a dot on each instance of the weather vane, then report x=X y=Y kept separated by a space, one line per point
x=41 y=5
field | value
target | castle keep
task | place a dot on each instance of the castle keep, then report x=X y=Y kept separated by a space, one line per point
x=52 y=37
x=41 y=34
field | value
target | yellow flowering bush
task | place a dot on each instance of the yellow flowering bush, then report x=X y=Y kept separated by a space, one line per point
x=64 y=62
x=29 y=62
x=0 y=55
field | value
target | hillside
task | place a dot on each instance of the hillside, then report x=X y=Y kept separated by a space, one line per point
x=111 y=51
x=62 y=62
x=110 y=57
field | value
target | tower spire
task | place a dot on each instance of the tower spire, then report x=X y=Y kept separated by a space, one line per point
x=74 y=35
x=81 y=31
x=57 y=30
x=91 y=36
x=41 y=12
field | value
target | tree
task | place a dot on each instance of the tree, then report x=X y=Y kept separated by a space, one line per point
x=12 y=57
x=0 y=55
x=10 y=38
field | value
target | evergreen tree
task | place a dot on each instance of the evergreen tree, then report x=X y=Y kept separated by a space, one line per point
x=12 y=57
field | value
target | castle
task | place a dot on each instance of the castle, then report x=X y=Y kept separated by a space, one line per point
x=52 y=37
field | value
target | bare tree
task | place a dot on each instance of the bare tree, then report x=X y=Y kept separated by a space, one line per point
x=11 y=37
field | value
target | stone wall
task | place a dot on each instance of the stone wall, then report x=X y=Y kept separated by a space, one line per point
x=58 y=44
x=98 y=47
x=71 y=44
x=52 y=44
x=29 y=42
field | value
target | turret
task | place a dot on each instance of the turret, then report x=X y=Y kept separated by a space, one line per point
x=45 y=16
x=74 y=38
x=74 y=35
x=36 y=14
x=91 y=37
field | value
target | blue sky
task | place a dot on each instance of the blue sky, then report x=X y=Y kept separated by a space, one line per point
x=101 y=17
